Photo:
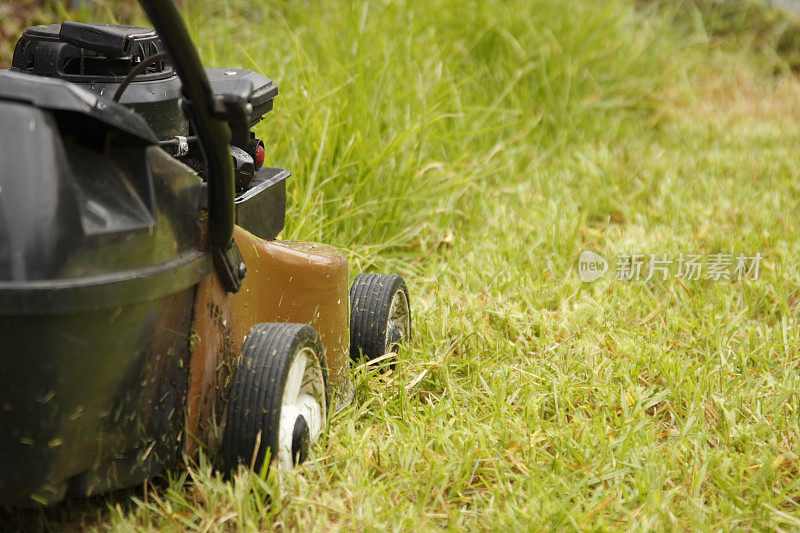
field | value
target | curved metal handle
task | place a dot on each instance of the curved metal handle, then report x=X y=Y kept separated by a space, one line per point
x=213 y=133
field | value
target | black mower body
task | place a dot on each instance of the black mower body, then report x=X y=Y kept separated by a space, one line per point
x=99 y=254
x=102 y=245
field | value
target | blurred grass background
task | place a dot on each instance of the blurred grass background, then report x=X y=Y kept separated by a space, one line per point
x=477 y=147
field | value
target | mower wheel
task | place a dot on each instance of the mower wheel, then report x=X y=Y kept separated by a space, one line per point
x=380 y=315
x=278 y=406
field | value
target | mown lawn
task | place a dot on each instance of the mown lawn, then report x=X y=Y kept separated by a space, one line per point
x=477 y=148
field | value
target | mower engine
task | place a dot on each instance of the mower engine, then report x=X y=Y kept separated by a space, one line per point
x=128 y=64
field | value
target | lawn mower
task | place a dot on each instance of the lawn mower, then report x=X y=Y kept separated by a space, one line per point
x=146 y=308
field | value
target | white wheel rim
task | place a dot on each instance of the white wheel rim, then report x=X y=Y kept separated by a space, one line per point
x=399 y=317
x=304 y=394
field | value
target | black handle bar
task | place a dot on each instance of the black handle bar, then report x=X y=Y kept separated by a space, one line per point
x=213 y=133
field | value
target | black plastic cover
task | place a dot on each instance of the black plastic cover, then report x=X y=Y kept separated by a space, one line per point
x=57 y=95
x=98 y=57
x=108 y=39
x=256 y=89
x=81 y=196
x=100 y=250
x=88 y=52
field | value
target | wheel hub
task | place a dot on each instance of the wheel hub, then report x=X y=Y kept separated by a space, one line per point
x=303 y=410
x=301 y=440
x=398 y=327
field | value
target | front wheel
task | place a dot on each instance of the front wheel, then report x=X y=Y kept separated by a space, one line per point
x=278 y=406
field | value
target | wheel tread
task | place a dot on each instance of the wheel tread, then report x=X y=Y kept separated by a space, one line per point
x=370 y=302
x=257 y=390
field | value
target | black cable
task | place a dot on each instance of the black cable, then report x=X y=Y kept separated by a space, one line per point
x=136 y=71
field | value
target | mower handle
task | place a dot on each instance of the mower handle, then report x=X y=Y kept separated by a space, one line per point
x=214 y=134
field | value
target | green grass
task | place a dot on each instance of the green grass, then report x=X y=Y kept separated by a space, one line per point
x=477 y=148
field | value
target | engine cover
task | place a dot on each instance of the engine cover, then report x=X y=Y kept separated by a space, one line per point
x=99 y=57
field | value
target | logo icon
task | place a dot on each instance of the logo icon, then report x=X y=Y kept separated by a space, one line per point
x=591 y=266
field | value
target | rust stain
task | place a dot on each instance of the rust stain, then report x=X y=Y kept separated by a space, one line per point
x=286 y=282
x=213 y=347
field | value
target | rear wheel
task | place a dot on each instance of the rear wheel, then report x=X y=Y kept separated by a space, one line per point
x=279 y=397
x=380 y=315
